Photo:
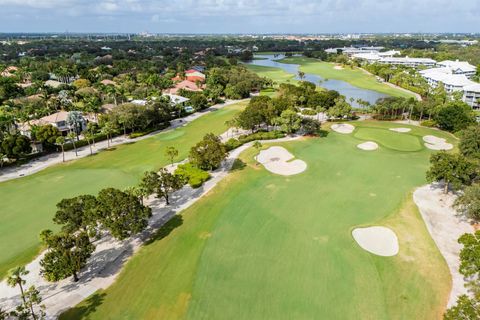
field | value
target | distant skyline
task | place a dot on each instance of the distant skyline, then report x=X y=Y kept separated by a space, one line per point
x=241 y=16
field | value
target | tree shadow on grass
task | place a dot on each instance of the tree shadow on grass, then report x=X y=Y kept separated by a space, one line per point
x=238 y=165
x=322 y=133
x=87 y=307
x=175 y=222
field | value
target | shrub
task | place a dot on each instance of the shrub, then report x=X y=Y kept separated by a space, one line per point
x=194 y=175
x=428 y=123
x=308 y=112
x=261 y=135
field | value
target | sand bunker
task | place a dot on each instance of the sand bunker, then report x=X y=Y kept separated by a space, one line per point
x=338 y=68
x=401 y=130
x=377 y=240
x=436 y=143
x=343 y=128
x=368 y=146
x=277 y=160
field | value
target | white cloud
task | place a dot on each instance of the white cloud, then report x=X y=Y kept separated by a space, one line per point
x=313 y=14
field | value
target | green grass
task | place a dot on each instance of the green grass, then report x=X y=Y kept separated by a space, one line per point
x=28 y=204
x=354 y=76
x=263 y=246
x=276 y=74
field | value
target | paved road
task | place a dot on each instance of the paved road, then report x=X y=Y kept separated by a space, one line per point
x=46 y=161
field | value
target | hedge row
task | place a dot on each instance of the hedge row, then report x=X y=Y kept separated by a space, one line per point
x=261 y=135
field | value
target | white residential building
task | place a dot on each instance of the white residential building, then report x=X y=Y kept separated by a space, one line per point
x=454 y=82
x=408 y=62
x=459 y=67
x=471 y=95
x=372 y=57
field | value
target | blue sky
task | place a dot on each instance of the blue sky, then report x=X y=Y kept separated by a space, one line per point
x=240 y=16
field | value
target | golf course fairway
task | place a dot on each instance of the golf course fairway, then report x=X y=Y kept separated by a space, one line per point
x=28 y=203
x=354 y=76
x=265 y=246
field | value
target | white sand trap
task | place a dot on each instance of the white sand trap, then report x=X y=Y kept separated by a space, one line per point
x=436 y=143
x=368 y=146
x=338 y=68
x=343 y=128
x=377 y=240
x=277 y=160
x=401 y=130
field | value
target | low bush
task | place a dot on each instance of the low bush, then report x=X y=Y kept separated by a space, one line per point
x=192 y=174
x=429 y=123
x=308 y=112
x=261 y=135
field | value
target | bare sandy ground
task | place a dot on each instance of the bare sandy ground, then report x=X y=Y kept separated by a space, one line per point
x=344 y=128
x=401 y=130
x=111 y=255
x=279 y=161
x=445 y=227
x=381 y=241
x=436 y=143
x=368 y=146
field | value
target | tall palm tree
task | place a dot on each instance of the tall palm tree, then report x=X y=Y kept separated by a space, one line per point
x=71 y=135
x=15 y=278
x=61 y=142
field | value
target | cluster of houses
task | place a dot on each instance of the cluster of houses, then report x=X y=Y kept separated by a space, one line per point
x=191 y=80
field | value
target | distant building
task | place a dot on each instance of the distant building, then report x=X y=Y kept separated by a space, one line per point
x=408 y=62
x=459 y=67
x=454 y=79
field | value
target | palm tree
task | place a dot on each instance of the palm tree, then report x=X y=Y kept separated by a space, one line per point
x=89 y=137
x=107 y=130
x=15 y=279
x=301 y=75
x=71 y=135
x=61 y=142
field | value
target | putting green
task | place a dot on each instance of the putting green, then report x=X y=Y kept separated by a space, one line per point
x=263 y=246
x=390 y=139
x=28 y=204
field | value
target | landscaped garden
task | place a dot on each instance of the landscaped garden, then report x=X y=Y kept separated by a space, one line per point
x=262 y=245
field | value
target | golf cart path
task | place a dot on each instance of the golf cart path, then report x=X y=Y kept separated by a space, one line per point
x=445 y=227
x=111 y=255
x=43 y=162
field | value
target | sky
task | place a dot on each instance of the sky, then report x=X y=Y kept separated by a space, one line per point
x=240 y=16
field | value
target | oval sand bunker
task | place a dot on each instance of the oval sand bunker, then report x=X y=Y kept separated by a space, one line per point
x=368 y=146
x=436 y=143
x=343 y=128
x=377 y=240
x=401 y=130
x=277 y=160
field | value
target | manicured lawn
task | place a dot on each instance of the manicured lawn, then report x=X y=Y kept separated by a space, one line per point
x=263 y=246
x=28 y=204
x=355 y=76
x=276 y=74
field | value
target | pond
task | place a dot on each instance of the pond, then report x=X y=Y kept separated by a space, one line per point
x=344 y=88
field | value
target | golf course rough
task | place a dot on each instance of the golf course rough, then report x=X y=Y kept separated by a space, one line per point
x=282 y=247
x=28 y=203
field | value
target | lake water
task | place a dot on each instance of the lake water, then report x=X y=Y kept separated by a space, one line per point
x=344 y=88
